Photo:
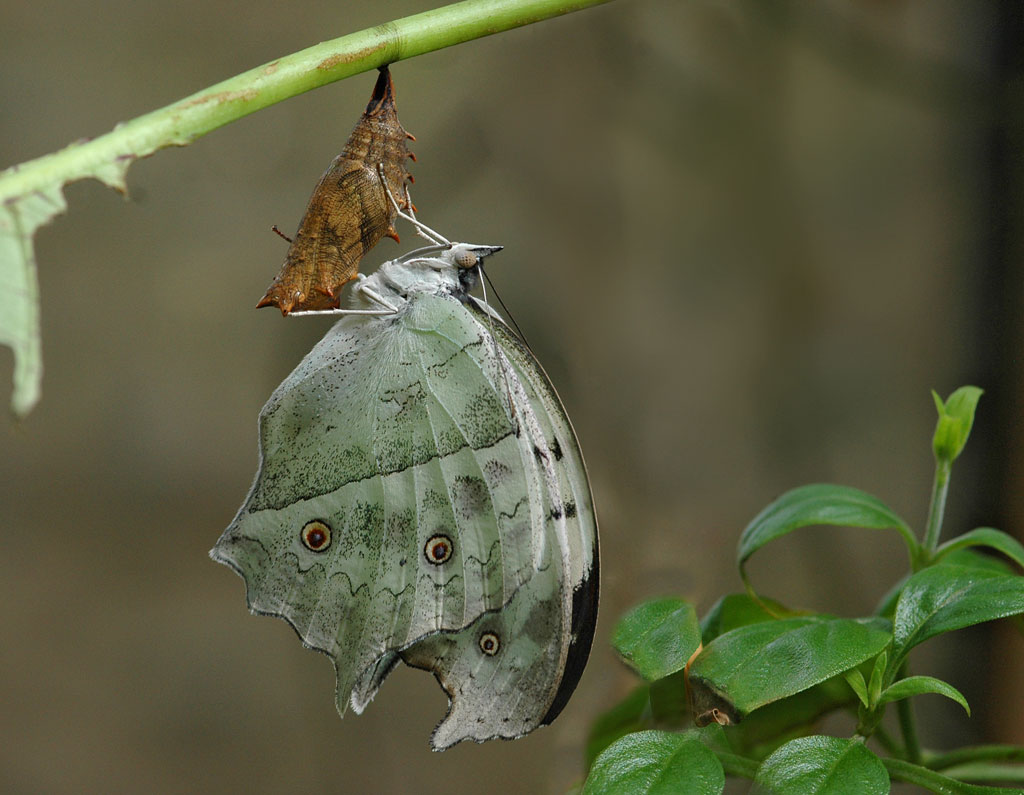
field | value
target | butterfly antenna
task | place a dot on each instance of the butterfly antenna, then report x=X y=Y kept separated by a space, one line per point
x=494 y=339
x=504 y=308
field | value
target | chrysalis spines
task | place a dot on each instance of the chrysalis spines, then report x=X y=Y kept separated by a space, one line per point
x=349 y=211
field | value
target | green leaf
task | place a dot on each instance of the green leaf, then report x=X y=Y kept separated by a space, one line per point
x=656 y=763
x=657 y=638
x=738 y=610
x=976 y=560
x=629 y=715
x=855 y=679
x=956 y=416
x=819 y=504
x=945 y=597
x=916 y=685
x=670 y=707
x=768 y=727
x=760 y=663
x=818 y=765
x=985 y=537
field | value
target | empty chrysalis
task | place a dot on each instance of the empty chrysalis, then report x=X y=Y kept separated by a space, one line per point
x=349 y=211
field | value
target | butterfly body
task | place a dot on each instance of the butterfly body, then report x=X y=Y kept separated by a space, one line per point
x=421 y=497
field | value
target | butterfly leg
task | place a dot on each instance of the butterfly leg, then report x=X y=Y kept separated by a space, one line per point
x=424 y=231
x=372 y=295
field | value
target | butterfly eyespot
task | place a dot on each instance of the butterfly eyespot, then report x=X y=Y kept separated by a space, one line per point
x=438 y=549
x=466 y=259
x=489 y=644
x=316 y=535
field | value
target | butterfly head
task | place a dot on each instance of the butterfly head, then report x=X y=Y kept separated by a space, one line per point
x=466 y=256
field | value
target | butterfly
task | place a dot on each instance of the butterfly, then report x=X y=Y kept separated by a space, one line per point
x=348 y=213
x=421 y=497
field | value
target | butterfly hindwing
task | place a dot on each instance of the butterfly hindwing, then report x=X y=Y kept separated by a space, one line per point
x=513 y=669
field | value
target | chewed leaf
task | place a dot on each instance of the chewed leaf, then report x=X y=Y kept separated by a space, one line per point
x=31 y=195
x=19 y=289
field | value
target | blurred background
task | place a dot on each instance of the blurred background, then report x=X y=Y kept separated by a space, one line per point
x=745 y=238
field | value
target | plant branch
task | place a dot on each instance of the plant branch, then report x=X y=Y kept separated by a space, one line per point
x=184 y=121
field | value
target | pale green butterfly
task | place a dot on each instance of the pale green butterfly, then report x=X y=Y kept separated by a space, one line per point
x=421 y=496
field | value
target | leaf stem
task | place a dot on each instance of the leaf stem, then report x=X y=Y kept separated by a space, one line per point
x=108 y=156
x=936 y=509
x=908 y=727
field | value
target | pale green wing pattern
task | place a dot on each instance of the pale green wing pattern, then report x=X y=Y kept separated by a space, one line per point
x=412 y=488
x=538 y=641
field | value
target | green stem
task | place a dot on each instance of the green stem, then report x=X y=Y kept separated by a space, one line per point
x=977 y=753
x=887 y=742
x=932 y=781
x=937 y=508
x=987 y=771
x=182 y=122
x=908 y=727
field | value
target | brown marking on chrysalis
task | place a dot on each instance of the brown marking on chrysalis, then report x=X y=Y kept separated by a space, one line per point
x=349 y=211
x=316 y=535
